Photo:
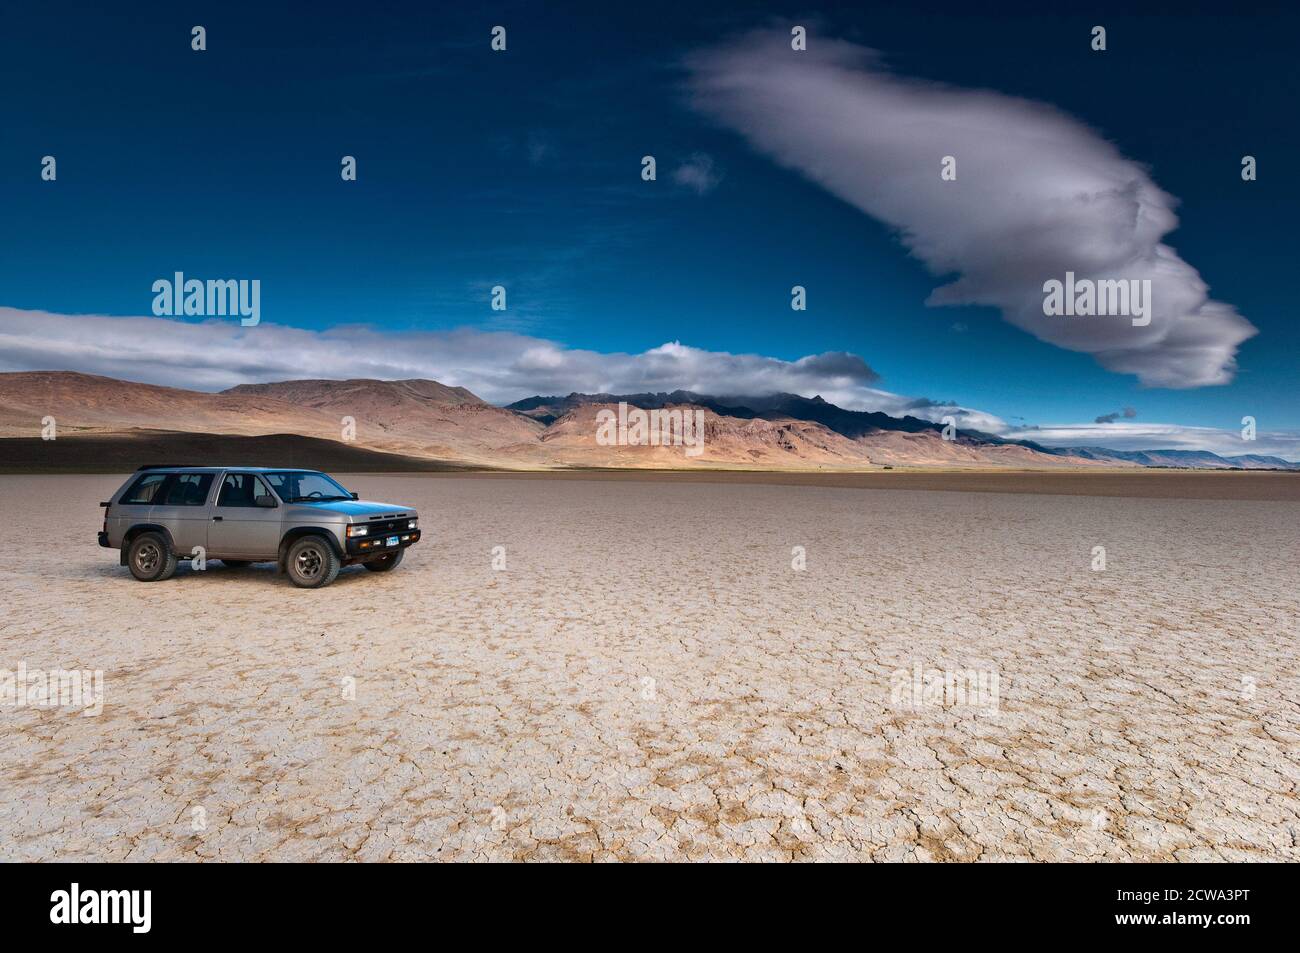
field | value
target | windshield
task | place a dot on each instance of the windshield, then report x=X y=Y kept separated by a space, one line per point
x=303 y=486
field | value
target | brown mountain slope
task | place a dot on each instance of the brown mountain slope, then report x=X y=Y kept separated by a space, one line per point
x=361 y=392
x=417 y=418
x=413 y=416
x=87 y=403
x=929 y=449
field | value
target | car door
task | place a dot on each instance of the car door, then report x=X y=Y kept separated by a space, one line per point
x=245 y=521
x=181 y=507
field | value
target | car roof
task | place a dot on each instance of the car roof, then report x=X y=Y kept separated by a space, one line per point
x=176 y=467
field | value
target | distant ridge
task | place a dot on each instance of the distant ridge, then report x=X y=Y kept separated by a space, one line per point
x=1183 y=459
x=849 y=423
x=322 y=393
x=856 y=424
x=396 y=422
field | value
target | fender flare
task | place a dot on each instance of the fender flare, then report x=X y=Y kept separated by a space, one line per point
x=291 y=536
x=138 y=528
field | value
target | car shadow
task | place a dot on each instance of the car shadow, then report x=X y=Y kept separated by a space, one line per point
x=256 y=574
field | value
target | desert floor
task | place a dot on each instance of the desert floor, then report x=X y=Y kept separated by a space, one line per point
x=650 y=678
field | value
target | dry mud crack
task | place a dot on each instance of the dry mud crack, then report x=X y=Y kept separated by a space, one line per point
x=649 y=678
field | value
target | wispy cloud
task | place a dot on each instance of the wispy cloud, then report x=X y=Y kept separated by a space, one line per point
x=1037 y=194
x=699 y=173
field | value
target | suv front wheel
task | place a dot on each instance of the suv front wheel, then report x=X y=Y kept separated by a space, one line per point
x=150 y=558
x=311 y=562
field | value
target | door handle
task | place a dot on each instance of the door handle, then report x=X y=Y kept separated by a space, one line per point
x=216 y=519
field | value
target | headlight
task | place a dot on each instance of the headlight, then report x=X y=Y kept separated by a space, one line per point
x=412 y=524
x=358 y=531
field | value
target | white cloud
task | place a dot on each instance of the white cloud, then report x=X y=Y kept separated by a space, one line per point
x=1037 y=194
x=698 y=173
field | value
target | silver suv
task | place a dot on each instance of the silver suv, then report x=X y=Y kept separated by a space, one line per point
x=302 y=520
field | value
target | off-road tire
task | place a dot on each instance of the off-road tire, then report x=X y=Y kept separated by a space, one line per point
x=150 y=558
x=311 y=562
x=384 y=563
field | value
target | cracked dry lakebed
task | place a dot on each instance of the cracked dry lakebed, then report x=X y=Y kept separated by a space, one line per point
x=668 y=670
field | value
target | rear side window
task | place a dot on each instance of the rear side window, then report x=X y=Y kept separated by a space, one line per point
x=187 y=489
x=144 y=490
x=241 y=489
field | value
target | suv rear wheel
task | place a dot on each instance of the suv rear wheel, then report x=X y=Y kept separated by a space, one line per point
x=311 y=562
x=150 y=558
x=384 y=563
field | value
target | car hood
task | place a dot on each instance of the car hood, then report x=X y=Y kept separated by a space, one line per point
x=359 y=509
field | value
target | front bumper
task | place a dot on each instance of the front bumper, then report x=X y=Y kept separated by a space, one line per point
x=103 y=540
x=378 y=545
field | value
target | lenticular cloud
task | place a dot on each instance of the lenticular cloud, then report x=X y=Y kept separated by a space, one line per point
x=1037 y=194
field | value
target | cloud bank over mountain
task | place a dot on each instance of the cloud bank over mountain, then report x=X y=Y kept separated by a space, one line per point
x=1160 y=436
x=502 y=367
x=1037 y=194
x=499 y=366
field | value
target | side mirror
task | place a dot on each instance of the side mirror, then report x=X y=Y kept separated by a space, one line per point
x=356 y=496
x=266 y=502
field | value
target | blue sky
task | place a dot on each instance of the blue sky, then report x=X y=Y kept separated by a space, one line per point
x=523 y=169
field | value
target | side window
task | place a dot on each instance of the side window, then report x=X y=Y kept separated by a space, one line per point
x=144 y=490
x=260 y=491
x=187 y=489
x=242 y=489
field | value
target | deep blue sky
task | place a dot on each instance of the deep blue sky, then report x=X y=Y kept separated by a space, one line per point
x=523 y=169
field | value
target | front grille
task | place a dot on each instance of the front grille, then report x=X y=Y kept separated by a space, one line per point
x=381 y=526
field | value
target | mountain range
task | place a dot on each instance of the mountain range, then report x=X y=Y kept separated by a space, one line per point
x=415 y=424
x=1182 y=459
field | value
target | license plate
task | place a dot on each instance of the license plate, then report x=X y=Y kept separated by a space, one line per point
x=391 y=541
